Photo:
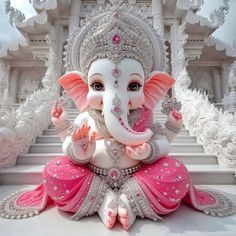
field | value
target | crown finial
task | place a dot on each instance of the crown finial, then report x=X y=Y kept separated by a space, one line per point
x=116 y=3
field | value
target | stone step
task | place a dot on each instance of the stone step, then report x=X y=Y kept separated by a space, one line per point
x=52 y=131
x=56 y=139
x=200 y=174
x=186 y=158
x=56 y=148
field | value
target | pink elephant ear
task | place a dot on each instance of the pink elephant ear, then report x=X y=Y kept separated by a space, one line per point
x=156 y=88
x=75 y=88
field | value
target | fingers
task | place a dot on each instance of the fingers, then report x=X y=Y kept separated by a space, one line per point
x=176 y=114
x=139 y=152
x=129 y=150
x=57 y=110
x=134 y=152
x=93 y=137
x=83 y=133
x=141 y=149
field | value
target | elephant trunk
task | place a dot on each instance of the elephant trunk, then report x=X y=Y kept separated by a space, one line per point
x=116 y=119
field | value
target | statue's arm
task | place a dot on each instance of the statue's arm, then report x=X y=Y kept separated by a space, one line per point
x=80 y=144
x=173 y=125
x=159 y=145
x=60 y=120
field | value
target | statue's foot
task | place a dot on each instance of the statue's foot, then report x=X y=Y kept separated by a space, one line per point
x=125 y=213
x=108 y=209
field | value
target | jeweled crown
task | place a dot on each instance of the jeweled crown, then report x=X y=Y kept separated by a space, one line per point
x=115 y=39
x=116 y=35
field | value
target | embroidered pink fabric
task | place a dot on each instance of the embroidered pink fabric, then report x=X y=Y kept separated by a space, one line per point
x=165 y=183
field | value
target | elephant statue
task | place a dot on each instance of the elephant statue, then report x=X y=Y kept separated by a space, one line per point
x=115 y=159
x=116 y=132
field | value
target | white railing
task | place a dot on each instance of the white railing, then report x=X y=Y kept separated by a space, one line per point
x=19 y=128
x=213 y=128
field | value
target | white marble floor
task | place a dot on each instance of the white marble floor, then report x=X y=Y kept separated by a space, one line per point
x=185 y=221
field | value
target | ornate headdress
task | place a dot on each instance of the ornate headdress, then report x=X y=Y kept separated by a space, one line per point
x=115 y=35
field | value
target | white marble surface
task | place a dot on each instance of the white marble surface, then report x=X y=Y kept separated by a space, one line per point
x=185 y=221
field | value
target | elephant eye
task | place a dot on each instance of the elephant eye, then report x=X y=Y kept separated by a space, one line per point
x=97 y=86
x=134 y=86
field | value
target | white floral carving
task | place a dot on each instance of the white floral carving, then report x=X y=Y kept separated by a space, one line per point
x=21 y=127
x=217 y=17
x=8 y=147
x=213 y=128
x=189 y=4
x=14 y=14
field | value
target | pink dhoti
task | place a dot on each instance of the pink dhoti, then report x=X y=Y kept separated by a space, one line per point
x=156 y=189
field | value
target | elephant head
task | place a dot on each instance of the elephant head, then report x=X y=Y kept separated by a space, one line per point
x=115 y=90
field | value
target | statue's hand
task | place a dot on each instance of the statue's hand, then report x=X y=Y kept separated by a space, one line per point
x=140 y=152
x=175 y=117
x=83 y=144
x=58 y=113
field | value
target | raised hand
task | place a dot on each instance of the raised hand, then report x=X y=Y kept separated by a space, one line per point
x=175 y=117
x=140 y=152
x=58 y=114
x=83 y=144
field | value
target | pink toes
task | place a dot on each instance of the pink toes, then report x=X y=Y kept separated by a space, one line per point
x=110 y=214
x=111 y=219
x=124 y=222
x=123 y=218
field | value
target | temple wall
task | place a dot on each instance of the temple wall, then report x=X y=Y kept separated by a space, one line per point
x=212 y=80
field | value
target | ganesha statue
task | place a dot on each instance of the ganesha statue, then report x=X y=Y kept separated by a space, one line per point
x=115 y=159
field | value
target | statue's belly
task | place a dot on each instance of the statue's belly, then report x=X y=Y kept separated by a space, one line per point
x=102 y=159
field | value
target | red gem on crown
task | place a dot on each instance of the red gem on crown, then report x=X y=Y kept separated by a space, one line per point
x=116 y=39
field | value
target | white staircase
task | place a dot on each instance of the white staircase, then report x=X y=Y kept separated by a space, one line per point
x=203 y=167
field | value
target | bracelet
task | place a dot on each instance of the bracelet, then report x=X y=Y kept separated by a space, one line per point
x=172 y=127
x=62 y=126
x=157 y=129
x=155 y=152
x=70 y=153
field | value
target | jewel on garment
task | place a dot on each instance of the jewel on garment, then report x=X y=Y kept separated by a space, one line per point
x=114 y=149
x=114 y=174
x=165 y=164
x=177 y=164
x=176 y=191
x=57 y=163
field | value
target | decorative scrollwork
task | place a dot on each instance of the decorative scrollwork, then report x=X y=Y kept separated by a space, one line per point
x=213 y=128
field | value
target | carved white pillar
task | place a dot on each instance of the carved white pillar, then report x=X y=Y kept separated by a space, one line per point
x=232 y=89
x=177 y=38
x=3 y=79
x=6 y=100
x=216 y=85
x=224 y=77
x=157 y=13
x=74 y=15
x=14 y=85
